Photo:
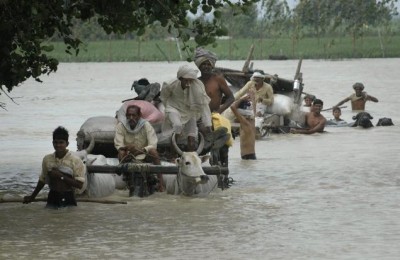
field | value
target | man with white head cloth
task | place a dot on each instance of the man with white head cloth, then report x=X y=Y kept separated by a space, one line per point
x=185 y=101
x=264 y=93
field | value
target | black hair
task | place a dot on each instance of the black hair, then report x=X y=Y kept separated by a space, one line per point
x=336 y=109
x=143 y=81
x=60 y=133
x=318 y=102
x=135 y=107
x=312 y=97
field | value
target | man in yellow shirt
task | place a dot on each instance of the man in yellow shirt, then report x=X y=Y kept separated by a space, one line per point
x=62 y=171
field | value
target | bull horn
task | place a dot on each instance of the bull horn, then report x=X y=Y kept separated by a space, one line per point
x=201 y=144
x=89 y=149
x=177 y=149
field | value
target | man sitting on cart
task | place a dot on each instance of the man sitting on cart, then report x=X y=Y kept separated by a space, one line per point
x=135 y=139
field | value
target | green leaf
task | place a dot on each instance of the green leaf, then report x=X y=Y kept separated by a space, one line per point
x=206 y=9
x=47 y=48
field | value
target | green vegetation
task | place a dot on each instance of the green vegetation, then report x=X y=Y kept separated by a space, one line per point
x=233 y=49
x=135 y=30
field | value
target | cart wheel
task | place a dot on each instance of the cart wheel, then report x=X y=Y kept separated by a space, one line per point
x=265 y=131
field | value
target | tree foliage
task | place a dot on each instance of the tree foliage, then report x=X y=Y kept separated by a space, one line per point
x=27 y=26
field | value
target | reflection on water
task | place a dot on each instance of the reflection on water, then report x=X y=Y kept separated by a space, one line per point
x=326 y=196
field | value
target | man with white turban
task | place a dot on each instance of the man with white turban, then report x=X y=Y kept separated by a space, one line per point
x=262 y=92
x=185 y=100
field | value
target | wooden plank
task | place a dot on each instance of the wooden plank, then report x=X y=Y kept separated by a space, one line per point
x=247 y=62
x=164 y=169
x=102 y=201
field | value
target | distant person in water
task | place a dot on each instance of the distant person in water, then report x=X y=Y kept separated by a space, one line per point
x=62 y=171
x=336 y=121
x=247 y=128
x=308 y=99
x=315 y=121
x=359 y=98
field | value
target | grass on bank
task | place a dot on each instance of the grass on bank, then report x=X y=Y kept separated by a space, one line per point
x=233 y=49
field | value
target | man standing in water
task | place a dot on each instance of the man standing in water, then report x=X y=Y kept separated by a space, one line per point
x=247 y=129
x=359 y=98
x=62 y=171
x=221 y=97
x=220 y=94
x=315 y=121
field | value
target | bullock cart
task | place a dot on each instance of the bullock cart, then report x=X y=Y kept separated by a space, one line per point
x=139 y=177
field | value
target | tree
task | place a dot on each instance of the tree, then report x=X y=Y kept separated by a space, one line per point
x=275 y=19
x=27 y=27
x=353 y=15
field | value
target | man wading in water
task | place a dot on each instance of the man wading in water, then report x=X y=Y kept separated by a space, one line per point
x=315 y=122
x=62 y=171
x=359 y=98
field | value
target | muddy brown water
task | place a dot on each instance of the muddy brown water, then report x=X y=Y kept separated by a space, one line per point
x=326 y=196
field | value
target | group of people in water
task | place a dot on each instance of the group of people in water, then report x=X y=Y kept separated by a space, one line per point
x=192 y=104
x=358 y=100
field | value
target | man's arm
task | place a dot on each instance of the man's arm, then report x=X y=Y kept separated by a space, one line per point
x=318 y=128
x=227 y=92
x=342 y=102
x=38 y=188
x=67 y=179
x=234 y=108
x=243 y=91
x=165 y=92
x=119 y=137
x=368 y=97
x=151 y=137
x=270 y=93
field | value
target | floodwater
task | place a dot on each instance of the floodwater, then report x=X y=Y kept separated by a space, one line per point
x=325 y=196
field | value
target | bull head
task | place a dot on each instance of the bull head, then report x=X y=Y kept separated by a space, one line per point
x=82 y=154
x=363 y=119
x=179 y=151
x=190 y=173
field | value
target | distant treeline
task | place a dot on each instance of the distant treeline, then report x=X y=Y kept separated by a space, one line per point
x=318 y=29
x=234 y=49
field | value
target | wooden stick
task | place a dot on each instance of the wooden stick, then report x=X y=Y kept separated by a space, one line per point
x=247 y=62
x=297 y=75
x=332 y=108
x=102 y=201
x=164 y=169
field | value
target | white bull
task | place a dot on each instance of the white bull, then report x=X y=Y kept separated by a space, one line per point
x=97 y=185
x=190 y=178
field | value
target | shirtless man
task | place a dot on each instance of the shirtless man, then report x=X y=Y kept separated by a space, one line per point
x=247 y=130
x=221 y=97
x=314 y=120
x=359 y=98
x=215 y=84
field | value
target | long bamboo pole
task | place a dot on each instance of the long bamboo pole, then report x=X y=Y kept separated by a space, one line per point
x=102 y=201
x=164 y=169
